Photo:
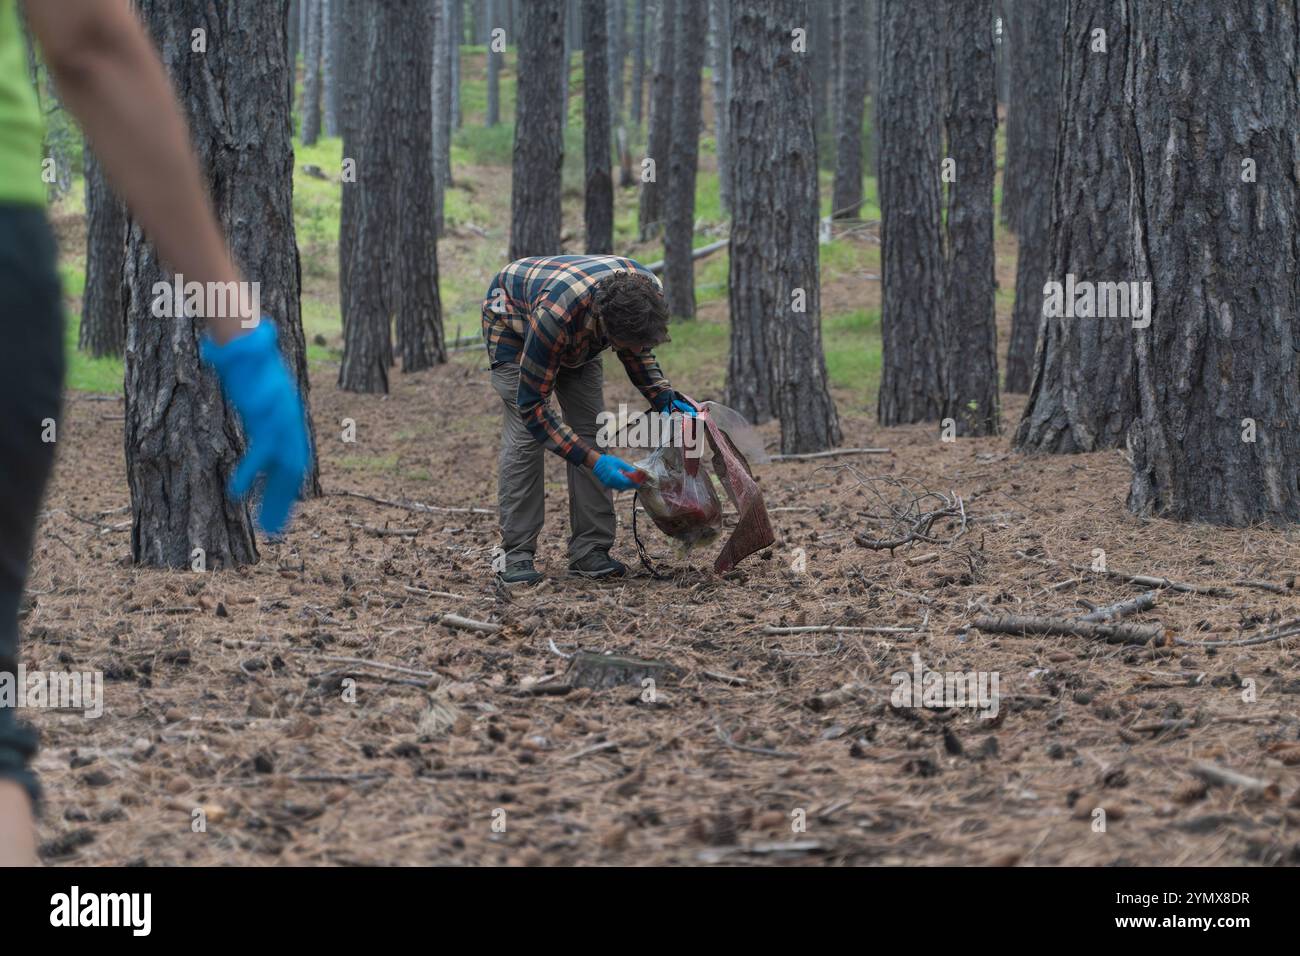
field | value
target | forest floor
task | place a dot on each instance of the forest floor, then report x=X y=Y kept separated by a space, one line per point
x=316 y=711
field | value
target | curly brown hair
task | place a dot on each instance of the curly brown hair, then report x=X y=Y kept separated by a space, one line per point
x=632 y=308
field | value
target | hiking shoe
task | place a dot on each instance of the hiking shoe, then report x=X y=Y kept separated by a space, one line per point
x=520 y=572
x=598 y=564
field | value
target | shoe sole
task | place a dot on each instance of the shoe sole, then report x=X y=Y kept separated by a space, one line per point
x=596 y=575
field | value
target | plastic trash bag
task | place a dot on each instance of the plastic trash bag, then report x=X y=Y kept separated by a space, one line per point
x=743 y=437
x=678 y=491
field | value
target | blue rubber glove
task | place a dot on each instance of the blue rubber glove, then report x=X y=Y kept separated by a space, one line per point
x=613 y=472
x=674 y=404
x=257 y=382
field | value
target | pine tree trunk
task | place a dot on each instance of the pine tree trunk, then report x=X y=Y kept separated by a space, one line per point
x=1017 y=57
x=311 y=86
x=599 y=205
x=970 y=124
x=455 y=38
x=1036 y=68
x=720 y=63
x=330 y=27
x=1214 y=146
x=873 y=86
x=536 y=183
x=182 y=442
x=367 y=333
x=102 y=328
x=568 y=62
x=683 y=159
x=817 y=18
x=352 y=63
x=416 y=301
x=1083 y=396
x=913 y=346
x=295 y=44
x=776 y=364
x=659 y=142
x=638 y=59
x=846 y=196
x=615 y=29
x=495 y=21
x=442 y=109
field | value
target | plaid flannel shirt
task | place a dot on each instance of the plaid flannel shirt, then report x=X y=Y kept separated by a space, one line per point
x=537 y=314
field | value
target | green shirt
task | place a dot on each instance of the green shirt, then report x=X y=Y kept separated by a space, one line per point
x=21 y=127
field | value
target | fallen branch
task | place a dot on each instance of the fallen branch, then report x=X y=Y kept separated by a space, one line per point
x=466 y=624
x=1286 y=629
x=833 y=453
x=1113 y=612
x=1223 y=777
x=385 y=532
x=1145 y=580
x=835 y=629
x=413 y=505
x=1110 y=633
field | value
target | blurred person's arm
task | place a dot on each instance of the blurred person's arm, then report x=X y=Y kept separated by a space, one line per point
x=112 y=80
x=17 y=836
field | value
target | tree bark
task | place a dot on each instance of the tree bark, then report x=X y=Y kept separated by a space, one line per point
x=311 y=86
x=683 y=160
x=182 y=442
x=720 y=63
x=495 y=21
x=846 y=196
x=419 y=310
x=1083 y=396
x=367 y=334
x=1036 y=68
x=638 y=60
x=330 y=27
x=352 y=63
x=599 y=206
x=1016 y=57
x=103 y=330
x=971 y=123
x=776 y=365
x=536 y=183
x=455 y=37
x=659 y=142
x=616 y=32
x=442 y=108
x=1213 y=146
x=913 y=346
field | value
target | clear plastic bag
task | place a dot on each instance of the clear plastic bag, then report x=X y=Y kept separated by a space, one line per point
x=678 y=495
x=743 y=436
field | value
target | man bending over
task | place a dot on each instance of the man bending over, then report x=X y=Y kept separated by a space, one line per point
x=546 y=321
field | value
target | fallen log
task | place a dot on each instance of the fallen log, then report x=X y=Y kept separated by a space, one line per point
x=700 y=253
x=1110 y=633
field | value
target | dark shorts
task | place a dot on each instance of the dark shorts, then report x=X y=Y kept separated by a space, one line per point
x=31 y=389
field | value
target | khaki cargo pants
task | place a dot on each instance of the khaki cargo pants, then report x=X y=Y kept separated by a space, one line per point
x=521 y=479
